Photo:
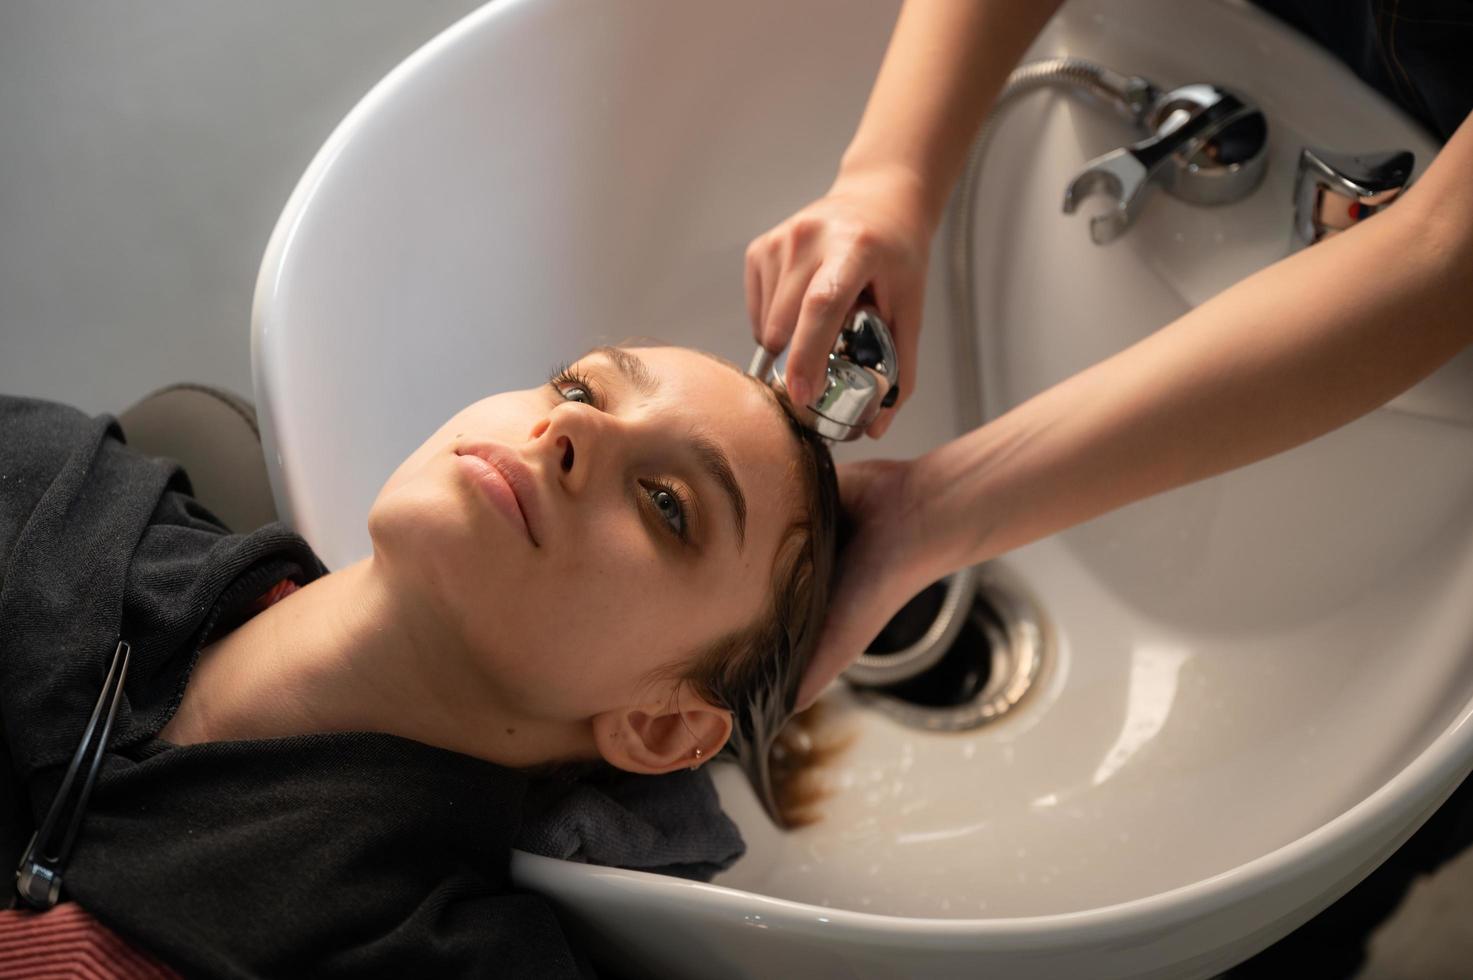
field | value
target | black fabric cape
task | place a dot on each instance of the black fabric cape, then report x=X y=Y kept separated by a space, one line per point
x=352 y=854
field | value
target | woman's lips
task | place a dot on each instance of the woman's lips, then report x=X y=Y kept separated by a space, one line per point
x=506 y=481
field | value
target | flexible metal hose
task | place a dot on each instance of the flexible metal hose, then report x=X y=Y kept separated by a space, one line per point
x=1131 y=97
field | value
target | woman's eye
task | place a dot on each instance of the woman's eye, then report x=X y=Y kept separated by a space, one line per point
x=576 y=393
x=670 y=508
x=572 y=386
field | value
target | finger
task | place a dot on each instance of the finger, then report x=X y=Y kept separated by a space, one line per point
x=881 y=424
x=853 y=484
x=820 y=674
x=857 y=612
x=848 y=630
x=752 y=284
x=787 y=298
x=771 y=271
x=866 y=592
x=830 y=295
x=829 y=661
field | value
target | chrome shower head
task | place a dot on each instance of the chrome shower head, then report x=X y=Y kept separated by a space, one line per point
x=862 y=377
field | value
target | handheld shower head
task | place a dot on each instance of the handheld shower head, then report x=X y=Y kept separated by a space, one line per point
x=862 y=377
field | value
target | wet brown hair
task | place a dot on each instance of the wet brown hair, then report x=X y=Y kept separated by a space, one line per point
x=755 y=672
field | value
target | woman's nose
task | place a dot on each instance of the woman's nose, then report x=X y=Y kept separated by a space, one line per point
x=568 y=439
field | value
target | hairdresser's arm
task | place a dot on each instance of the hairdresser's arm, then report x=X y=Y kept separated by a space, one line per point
x=946 y=62
x=1290 y=353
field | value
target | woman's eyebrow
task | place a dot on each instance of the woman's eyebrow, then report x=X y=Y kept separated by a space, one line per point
x=635 y=371
x=710 y=455
x=714 y=461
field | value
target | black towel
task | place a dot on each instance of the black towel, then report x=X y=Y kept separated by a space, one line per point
x=672 y=824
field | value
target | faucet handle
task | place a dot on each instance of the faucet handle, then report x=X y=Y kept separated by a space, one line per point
x=1190 y=117
x=1333 y=191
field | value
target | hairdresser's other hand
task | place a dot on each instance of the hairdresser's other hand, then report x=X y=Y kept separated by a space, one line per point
x=884 y=564
x=803 y=277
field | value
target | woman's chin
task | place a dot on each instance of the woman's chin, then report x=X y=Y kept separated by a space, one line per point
x=436 y=535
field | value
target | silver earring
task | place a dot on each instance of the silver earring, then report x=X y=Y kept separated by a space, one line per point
x=693 y=737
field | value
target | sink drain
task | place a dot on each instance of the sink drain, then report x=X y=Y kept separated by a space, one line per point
x=993 y=656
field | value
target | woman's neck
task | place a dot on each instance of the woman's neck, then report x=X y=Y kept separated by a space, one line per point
x=350 y=653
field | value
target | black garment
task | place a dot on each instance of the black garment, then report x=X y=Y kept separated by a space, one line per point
x=1418 y=53
x=353 y=854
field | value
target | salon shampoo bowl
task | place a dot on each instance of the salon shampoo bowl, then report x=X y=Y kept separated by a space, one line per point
x=1262 y=683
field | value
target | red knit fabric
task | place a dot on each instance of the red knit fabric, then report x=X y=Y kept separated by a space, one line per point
x=275 y=594
x=67 y=942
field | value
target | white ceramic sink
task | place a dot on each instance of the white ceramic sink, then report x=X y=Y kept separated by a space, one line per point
x=1262 y=683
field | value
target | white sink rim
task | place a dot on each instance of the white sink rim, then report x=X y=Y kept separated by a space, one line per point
x=1444 y=763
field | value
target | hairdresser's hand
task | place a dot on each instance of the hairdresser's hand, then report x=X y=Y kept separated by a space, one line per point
x=885 y=563
x=871 y=229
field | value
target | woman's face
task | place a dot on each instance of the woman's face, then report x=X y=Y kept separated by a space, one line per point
x=576 y=536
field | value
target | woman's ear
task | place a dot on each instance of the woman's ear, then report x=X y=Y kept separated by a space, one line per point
x=655 y=738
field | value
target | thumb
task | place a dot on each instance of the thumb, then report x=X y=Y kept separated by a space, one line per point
x=857 y=612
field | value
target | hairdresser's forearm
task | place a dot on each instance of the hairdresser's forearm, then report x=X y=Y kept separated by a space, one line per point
x=945 y=65
x=1292 y=352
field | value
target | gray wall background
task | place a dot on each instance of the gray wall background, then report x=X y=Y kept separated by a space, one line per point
x=146 y=149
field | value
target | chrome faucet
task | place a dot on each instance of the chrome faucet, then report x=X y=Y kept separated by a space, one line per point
x=1208 y=146
x=1333 y=191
